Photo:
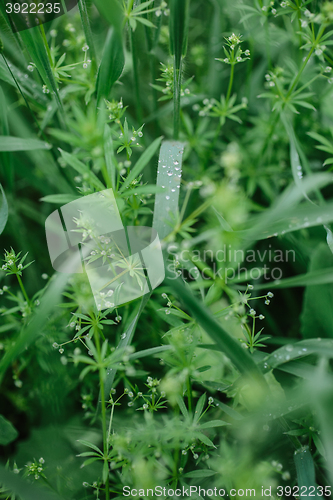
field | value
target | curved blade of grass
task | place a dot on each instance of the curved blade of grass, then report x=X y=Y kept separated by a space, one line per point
x=82 y=169
x=8 y=143
x=60 y=199
x=169 y=177
x=112 y=64
x=320 y=347
x=6 y=159
x=34 y=44
x=141 y=163
x=305 y=469
x=319 y=277
x=3 y=210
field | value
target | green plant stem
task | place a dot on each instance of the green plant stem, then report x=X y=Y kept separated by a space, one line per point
x=103 y=408
x=176 y=98
x=136 y=80
x=23 y=289
x=231 y=81
x=189 y=393
x=299 y=74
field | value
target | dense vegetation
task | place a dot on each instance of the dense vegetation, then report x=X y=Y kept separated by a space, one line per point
x=220 y=377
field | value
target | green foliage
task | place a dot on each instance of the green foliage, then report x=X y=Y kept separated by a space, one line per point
x=209 y=380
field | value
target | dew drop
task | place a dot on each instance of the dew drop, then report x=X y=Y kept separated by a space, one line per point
x=167 y=197
x=176 y=162
x=169 y=174
x=123 y=336
x=173 y=190
x=289 y=348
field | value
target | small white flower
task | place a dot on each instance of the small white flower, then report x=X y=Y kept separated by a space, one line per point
x=273 y=11
x=247 y=52
x=226 y=60
x=252 y=312
x=5 y=288
x=61 y=350
x=270 y=295
x=72 y=324
x=85 y=48
x=267 y=302
x=210 y=400
x=239 y=59
x=304 y=23
x=44 y=276
x=30 y=68
x=250 y=287
x=20 y=267
x=261 y=316
x=85 y=65
x=328 y=69
x=55 y=345
x=145 y=407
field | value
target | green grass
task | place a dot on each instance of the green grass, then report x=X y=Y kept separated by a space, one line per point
x=213 y=125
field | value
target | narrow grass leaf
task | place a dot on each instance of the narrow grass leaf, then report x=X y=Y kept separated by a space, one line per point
x=34 y=43
x=141 y=163
x=112 y=64
x=8 y=143
x=306 y=477
x=60 y=199
x=169 y=178
x=8 y=433
x=3 y=210
x=82 y=169
x=320 y=347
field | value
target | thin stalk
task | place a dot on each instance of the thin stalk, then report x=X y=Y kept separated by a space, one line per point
x=299 y=74
x=23 y=289
x=103 y=406
x=136 y=78
x=176 y=98
x=189 y=394
x=231 y=81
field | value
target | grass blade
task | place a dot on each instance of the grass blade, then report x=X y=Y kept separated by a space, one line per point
x=7 y=160
x=3 y=210
x=305 y=472
x=8 y=143
x=112 y=64
x=169 y=177
x=141 y=163
x=34 y=43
